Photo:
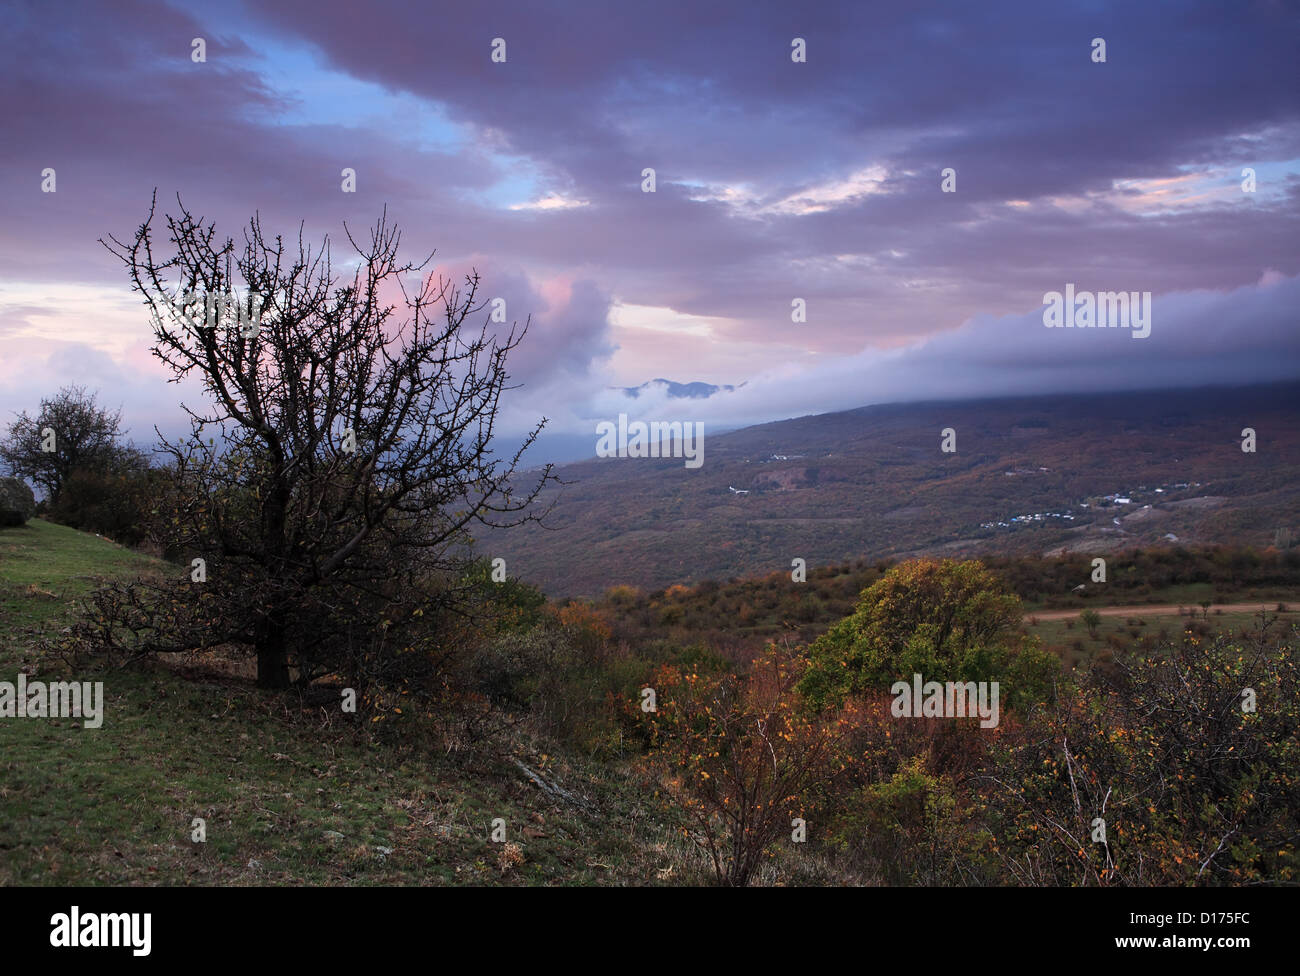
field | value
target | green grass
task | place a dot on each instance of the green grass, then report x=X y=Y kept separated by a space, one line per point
x=1061 y=635
x=296 y=793
x=115 y=805
x=45 y=568
x=270 y=775
x=1184 y=594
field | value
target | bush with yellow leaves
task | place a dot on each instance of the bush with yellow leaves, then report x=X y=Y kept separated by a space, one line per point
x=741 y=757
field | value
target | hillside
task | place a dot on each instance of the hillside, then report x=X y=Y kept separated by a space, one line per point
x=1029 y=476
x=290 y=794
x=1221 y=589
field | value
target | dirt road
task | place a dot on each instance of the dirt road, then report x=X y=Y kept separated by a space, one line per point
x=1141 y=610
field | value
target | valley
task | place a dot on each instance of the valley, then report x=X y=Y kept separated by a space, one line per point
x=872 y=483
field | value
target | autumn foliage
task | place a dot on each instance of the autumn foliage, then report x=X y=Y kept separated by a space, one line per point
x=743 y=757
x=1188 y=759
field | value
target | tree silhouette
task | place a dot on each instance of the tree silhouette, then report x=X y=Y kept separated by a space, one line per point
x=83 y=436
x=347 y=443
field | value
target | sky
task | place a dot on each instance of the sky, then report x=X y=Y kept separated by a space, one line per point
x=777 y=178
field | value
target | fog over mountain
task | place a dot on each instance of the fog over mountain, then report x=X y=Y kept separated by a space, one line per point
x=800 y=253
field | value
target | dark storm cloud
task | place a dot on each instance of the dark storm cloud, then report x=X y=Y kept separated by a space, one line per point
x=775 y=179
x=1002 y=86
x=1007 y=95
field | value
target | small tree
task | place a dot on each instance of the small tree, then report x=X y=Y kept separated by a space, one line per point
x=946 y=620
x=357 y=444
x=1092 y=620
x=83 y=436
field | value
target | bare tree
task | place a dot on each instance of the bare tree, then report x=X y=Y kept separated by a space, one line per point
x=348 y=440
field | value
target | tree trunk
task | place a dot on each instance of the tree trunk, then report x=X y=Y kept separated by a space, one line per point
x=272 y=655
x=272 y=631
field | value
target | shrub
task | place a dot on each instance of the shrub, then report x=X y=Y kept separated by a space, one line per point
x=1194 y=786
x=17 y=502
x=1092 y=620
x=621 y=596
x=115 y=504
x=742 y=756
x=911 y=830
x=948 y=621
x=589 y=631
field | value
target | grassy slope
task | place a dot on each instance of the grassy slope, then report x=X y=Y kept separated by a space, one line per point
x=1061 y=636
x=114 y=805
x=45 y=567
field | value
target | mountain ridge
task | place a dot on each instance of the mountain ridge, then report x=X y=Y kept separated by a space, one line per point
x=873 y=481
